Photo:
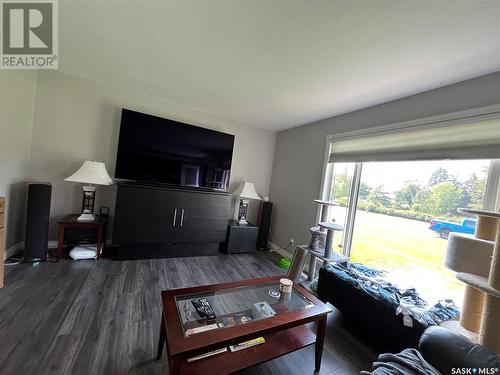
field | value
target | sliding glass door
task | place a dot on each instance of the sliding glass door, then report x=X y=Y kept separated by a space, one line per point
x=387 y=208
x=342 y=177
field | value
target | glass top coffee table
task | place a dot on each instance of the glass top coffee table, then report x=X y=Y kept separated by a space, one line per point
x=202 y=326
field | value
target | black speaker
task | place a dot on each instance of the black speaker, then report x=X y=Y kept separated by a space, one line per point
x=37 y=222
x=264 y=225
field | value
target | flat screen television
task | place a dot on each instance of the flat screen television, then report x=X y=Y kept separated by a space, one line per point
x=152 y=149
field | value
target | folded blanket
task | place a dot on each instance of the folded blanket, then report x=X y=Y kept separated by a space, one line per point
x=408 y=362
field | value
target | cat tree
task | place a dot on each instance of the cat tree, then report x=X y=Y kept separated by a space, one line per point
x=477 y=263
x=322 y=236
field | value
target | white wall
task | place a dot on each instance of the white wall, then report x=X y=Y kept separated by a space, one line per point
x=17 y=103
x=299 y=155
x=77 y=120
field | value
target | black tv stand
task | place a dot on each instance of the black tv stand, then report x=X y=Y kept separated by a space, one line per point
x=172 y=186
x=158 y=220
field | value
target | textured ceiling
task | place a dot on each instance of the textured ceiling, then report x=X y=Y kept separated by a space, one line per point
x=279 y=64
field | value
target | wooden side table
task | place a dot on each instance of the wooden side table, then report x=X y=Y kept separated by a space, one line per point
x=71 y=222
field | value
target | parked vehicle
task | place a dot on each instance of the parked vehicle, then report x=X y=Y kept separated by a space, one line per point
x=444 y=228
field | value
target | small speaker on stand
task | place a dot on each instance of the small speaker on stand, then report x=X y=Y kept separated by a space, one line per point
x=264 y=225
x=37 y=222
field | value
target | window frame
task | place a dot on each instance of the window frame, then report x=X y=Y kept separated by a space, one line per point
x=492 y=191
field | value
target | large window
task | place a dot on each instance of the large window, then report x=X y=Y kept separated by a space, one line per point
x=387 y=208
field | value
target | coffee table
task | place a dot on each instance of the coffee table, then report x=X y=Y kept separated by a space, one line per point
x=188 y=335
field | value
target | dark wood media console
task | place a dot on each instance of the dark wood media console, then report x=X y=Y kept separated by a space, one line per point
x=158 y=221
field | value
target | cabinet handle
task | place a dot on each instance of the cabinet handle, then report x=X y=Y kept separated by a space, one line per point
x=182 y=216
x=175 y=217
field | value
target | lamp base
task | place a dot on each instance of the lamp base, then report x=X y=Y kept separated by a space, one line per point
x=88 y=203
x=86 y=217
x=242 y=212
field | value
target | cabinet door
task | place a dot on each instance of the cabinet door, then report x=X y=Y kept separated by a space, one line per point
x=203 y=217
x=154 y=215
x=146 y=216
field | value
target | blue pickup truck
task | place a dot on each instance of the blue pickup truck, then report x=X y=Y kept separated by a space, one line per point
x=444 y=228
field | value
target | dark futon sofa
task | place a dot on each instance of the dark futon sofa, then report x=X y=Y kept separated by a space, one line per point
x=373 y=317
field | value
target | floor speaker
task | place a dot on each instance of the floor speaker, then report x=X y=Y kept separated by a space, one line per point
x=264 y=225
x=37 y=222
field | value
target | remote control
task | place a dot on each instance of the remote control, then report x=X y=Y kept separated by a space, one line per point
x=209 y=312
x=203 y=308
x=198 y=307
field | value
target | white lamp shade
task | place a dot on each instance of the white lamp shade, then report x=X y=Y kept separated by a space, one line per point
x=91 y=172
x=247 y=191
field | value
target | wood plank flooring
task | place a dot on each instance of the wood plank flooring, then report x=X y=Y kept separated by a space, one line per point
x=103 y=317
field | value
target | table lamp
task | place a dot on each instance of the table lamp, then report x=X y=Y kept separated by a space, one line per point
x=245 y=192
x=90 y=173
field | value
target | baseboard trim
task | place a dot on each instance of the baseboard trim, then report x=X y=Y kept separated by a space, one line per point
x=279 y=250
x=13 y=250
x=17 y=248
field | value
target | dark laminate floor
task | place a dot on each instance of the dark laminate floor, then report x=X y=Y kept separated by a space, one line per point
x=102 y=317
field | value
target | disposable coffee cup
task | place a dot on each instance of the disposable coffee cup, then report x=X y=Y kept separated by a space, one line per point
x=286 y=285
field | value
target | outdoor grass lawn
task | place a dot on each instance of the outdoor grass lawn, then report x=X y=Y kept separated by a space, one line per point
x=407 y=248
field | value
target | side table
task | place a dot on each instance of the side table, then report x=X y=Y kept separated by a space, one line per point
x=241 y=238
x=71 y=222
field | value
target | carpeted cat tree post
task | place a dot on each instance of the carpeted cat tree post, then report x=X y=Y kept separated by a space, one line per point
x=321 y=244
x=477 y=263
